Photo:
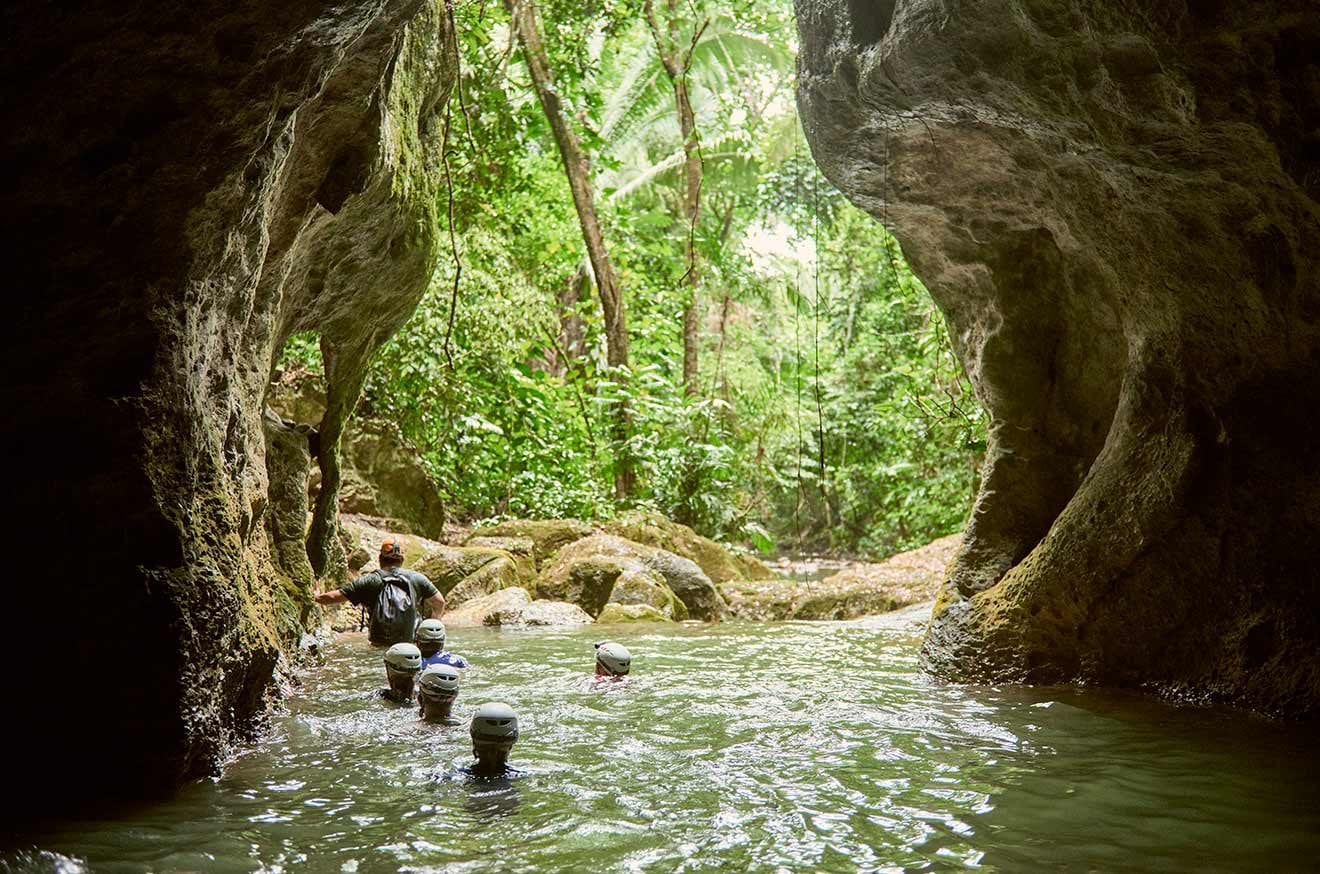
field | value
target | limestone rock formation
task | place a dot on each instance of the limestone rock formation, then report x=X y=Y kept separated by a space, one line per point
x=1115 y=206
x=619 y=614
x=640 y=586
x=449 y=566
x=189 y=185
x=547 y=535
x=716 y=561
x=500 y=573
x=859 y=589
x=513 y=607
x=382 y=474
x=587 y=571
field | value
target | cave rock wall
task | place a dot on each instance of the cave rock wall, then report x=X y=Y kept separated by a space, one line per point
x=191 y=183
x=1115 y=206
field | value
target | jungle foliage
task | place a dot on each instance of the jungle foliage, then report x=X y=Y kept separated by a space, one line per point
x=828 y=410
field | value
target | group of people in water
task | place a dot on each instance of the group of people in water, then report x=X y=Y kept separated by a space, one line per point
x=420 y=670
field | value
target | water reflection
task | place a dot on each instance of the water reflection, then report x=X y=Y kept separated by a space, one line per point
x=796 y=746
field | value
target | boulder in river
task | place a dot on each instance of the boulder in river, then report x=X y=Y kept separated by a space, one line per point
x=499 y=573
x=449 y=566
x=860 y=589
x=617 y=614
x=639 y=585
x=598 y=556
x=548 y=536
x=513 y=607
x=718 y=562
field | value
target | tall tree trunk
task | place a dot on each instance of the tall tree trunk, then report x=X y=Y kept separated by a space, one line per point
x=677 y=63
x=578 y=169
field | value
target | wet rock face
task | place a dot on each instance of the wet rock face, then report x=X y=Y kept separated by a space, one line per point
x=1115 y=206
x=189 y=184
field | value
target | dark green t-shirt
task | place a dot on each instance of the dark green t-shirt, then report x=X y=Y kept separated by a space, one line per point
x=365 y=590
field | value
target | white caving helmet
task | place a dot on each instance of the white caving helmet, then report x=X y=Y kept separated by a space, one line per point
x=614 y=657
x=439 y=681
x=403 y=657
x=494 y=722
x=431 y=631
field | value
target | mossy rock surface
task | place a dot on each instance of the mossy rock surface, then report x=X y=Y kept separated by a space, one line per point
x=602 y=555
x=618 y=614
x=448 y=566
x=501 y=573
x=718 y=562
x=547 y=535
x=640 y=585
x=587 y=582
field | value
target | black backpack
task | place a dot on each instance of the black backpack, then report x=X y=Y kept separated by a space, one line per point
x=394 y=617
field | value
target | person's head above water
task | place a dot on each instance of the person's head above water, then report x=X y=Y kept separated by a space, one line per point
x=494 y=731
x=430 y=637
x=438 y=687
x=612 y=659
x=391 y=553
x=403 y=662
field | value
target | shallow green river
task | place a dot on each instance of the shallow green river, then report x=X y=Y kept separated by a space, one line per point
x=804 y=746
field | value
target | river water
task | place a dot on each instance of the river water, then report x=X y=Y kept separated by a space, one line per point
x=778 y=747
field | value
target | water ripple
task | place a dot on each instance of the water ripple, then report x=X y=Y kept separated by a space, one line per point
x=786 y=747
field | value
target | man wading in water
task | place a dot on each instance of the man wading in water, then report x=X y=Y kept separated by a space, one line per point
x=613 y=662
x=391 y=596
x=494 y=731
x=437 y=690
x=403 y=662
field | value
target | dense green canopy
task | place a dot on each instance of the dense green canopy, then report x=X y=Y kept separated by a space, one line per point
x=829 y=412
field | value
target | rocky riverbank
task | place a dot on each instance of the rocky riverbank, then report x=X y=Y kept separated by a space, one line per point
x=521 y=573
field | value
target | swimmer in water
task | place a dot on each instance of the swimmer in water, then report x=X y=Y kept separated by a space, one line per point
x=494 y=731
x=437 y=689
x=431 y=641
x=613 y=661
x=403 y=662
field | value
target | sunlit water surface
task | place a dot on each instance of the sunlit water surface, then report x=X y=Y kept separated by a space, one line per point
x=797 y=746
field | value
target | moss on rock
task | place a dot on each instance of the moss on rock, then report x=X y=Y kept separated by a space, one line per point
x=718 y=562
x=603 y=558
x=548 y=535
x=618 y=614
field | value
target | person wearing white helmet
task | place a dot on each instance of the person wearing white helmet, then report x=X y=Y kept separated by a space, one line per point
x=437 y=689
x=494 y=731
x=613 y=660
x=403 y=662
x=431 y=641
